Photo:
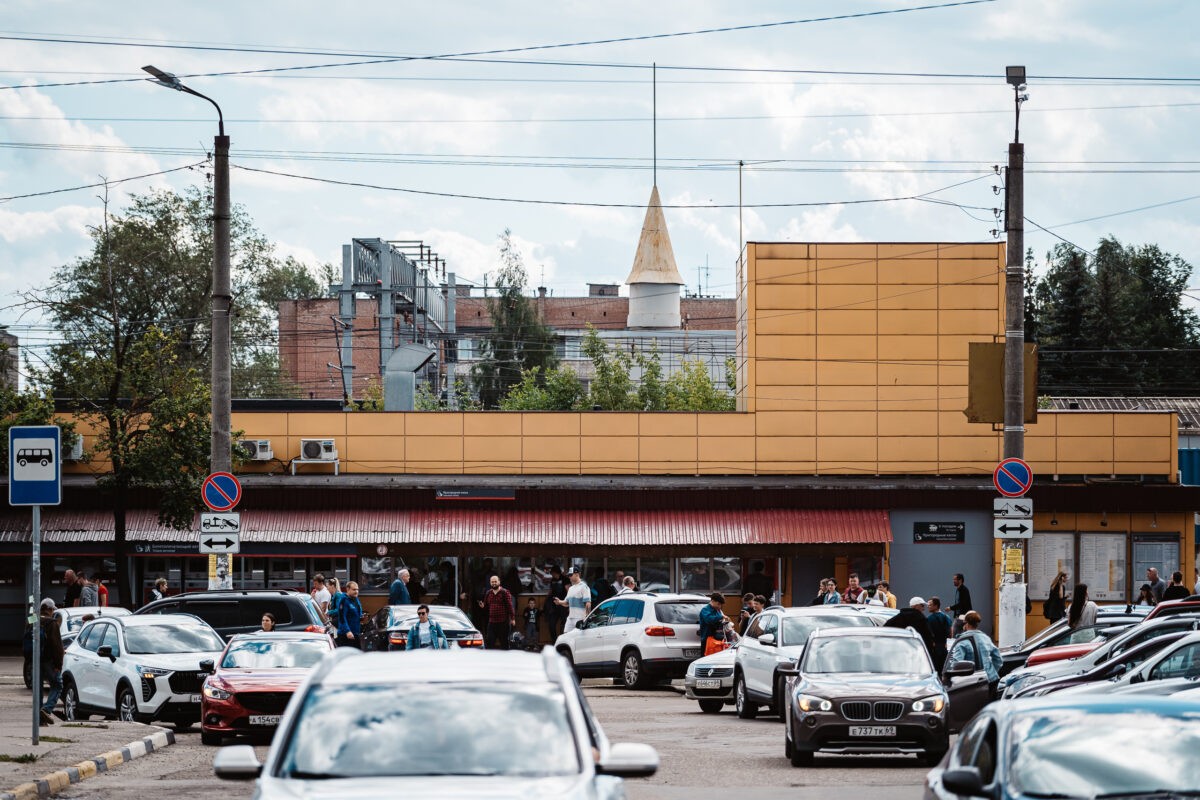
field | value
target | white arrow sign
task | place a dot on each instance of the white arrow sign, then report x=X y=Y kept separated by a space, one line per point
x=1013 y=528
x=220 y=543
x=1012 y=507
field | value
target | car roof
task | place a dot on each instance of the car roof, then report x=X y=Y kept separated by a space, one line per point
x=301 y=636
x=438 y=666
x=136 y=620
x=230 y=593
x=660 y=596
x=99 y=611
x=814 y=611
x=893 y=633
x=1169 y=705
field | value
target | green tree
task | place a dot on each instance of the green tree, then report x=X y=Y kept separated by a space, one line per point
x=27 y=408
x=558 y=390
x=652 y=390
x=458 y=398
x=518 y=340
x=1062 y=298
x=612 y=387
x=692 y=389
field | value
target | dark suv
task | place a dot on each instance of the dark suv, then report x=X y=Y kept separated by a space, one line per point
x=230 y=612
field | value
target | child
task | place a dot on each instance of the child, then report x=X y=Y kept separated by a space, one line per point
x=531 y=614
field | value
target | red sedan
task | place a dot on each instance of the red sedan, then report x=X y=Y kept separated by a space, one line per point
x=250 y=685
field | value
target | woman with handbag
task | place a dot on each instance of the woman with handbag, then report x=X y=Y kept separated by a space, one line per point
x=1055 y=607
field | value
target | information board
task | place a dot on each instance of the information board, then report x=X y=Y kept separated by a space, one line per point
x=1048 y=553
x=1155 y=550
x=1102 y=565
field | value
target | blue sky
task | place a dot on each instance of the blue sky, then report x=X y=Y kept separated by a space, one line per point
x=815 y=142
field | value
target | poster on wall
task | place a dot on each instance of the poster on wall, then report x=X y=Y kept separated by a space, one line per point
x=1160 y=551
x=1048 y=554
x=1102 y=565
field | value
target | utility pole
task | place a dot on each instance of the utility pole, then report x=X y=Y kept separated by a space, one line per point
x=1012 y=586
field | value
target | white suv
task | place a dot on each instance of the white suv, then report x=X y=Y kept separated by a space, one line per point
x=139 y=668
x=636 y=637
x=775 y=640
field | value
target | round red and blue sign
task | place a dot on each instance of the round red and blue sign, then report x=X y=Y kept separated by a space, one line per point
x=1012 y=477
x=221 y=491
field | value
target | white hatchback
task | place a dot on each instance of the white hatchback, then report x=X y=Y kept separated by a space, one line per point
x=139 y=668
x=636 y=637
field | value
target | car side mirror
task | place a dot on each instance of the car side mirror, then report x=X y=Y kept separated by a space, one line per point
x=960 y=669
x=767 y=639
x=208 y=666
x=1120 y=669
x=105 y=651
x=964 y=780
x=625 y=760
x=579 y=624
x=237 y=763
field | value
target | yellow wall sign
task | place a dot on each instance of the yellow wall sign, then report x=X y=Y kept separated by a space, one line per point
x=1014 y=561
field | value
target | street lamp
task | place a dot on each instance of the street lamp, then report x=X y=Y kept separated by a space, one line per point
x=220 y=449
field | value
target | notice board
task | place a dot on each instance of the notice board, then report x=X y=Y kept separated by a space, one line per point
x=1102 y=565
x=1049 y=553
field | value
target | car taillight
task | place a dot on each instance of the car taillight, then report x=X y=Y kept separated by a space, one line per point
x=470 y=642
x=398 y=638
x=315 y=629
x=660 y=630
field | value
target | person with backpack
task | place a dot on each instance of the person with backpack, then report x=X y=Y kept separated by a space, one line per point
x=1055 y=607
x=336 y=595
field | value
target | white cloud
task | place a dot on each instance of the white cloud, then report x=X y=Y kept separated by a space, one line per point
x=1038 y=21
x=819 y=225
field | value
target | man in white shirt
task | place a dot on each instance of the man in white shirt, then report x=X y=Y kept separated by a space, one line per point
x=578 y=601
x=628 y=585
x=320 y=594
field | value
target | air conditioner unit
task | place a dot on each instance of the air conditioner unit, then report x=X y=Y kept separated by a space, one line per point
x=257 y=449
x=73 y=448
x=318 y=450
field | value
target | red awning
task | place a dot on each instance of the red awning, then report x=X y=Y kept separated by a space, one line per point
x=469 y=526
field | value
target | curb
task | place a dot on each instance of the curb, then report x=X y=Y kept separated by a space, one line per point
x=54 y=782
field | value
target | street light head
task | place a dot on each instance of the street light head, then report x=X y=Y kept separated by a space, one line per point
x=1015 y=76
x=163 y=78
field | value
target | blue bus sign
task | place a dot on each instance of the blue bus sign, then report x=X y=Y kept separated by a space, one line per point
x=34 y=465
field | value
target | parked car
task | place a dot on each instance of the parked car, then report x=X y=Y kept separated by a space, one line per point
x=139 y=668
x=1081 y=747
x=1048 y=655
x=709 y=680
x=250 y=684
x=1021 y=679
x=866 y=690
x=1186 y=605
x=1111 y=669
x=775 y=641
x=1181 y=659
x=636 y=637
x=235 y=611
x=387 y=628
x=70 y=621
x=1058 y=633
x=434 y=724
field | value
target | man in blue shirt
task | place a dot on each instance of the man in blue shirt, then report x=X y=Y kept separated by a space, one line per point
x=349 y=621
x=712 y=620
x=398 y=592
x=988 y=653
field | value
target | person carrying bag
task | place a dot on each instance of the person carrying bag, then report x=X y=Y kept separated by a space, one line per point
x=1055 y=607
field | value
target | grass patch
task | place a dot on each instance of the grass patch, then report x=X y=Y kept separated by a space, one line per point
x=24 y=758
x=57 y=739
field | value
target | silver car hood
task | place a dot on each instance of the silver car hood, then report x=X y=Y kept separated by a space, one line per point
x=852 y=685
x=450 y=787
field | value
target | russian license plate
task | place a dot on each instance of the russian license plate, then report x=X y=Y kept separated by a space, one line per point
x=708 y=683
x=872 y=730
x=264 y=719
x=194 y=698
x=691 y=652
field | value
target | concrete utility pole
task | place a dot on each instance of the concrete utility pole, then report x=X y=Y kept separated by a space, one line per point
x=1012 y=588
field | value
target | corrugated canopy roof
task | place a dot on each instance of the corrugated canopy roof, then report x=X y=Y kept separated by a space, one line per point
x=1188 y=408
x=484 y=526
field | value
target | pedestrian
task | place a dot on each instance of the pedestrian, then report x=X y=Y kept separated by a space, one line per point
x=335 y=597
x=628 y=584
x=618 y=583
x=416 y=589
x=1175 y=589
x=500 y=613
x=1055 y=607
x=398 y=591
x=102 y=594
x=350 y=615
x=831 y=593
x=530 y=615
x=712 y=624
x=940 y=626
x=758 y=582
x=268 y=622
x=427 y=634
x=914 y=617
x=74 y=587
x=446 y=588
x=555 y=591
x=989 y=654
x=747 y=612
x=962 y=595
x=512 y=581
x=1145 y=596
x=52 y=660
x=884 y=596
x=854 y=593
x=1157 y=584
x=320 y=594
x=160 y=589
x=1083 y=610
x=88 y=596
x=577 y=600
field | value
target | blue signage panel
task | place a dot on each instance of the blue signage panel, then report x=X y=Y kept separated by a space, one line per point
x=34 y=465
x=1012 y=477
x=221 y=491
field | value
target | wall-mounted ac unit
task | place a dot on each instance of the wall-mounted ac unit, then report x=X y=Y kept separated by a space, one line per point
x=73 y=447
x=257 y=449
x=318 y=450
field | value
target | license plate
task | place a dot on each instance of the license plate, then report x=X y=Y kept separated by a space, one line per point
x=708 y=683
x=872 y=730
x=264 y=719
x=692 y=652
x=193 y=698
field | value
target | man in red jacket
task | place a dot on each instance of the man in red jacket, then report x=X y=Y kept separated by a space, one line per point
x=500 y=612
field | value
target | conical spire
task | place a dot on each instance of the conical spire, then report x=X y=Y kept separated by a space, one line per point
x=655 y=260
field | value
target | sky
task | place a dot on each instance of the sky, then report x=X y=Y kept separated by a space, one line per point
x=378 y=120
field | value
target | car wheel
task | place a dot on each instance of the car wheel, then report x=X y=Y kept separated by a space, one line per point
x=788 y=747
x=210 y=739
x=70 y=700
x=565 y=653
x=710 y=705
x=126 y=705
x=931 y=758
x=183 y=725
x=801 y=758
x=27 y=673
x=633 y=671
x=745 y=709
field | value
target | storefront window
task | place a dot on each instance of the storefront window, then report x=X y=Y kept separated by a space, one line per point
x=694 y=575
x=374 y=573
x=654 y=574
x=704 y=575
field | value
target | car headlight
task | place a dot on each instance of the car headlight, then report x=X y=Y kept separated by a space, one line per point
x=1024 y=682
x=809 y=703
x=150 y=673
x=934 y=703
x=216 y=692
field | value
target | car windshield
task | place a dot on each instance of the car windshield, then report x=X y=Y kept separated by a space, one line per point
x=1068 y=753
x=431 y=729
x=444 y=616
x=876 y=654
x=679 y=612
x=796 y=630
x=267 y=653
x=173 y=638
